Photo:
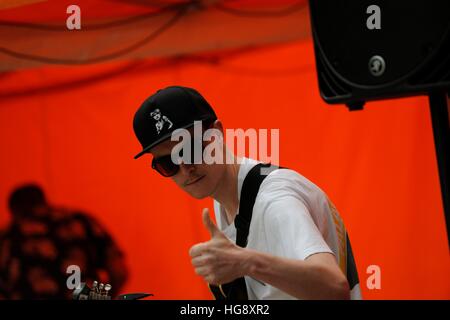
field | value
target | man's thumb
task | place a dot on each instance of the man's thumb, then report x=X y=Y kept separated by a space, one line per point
x=209 y=224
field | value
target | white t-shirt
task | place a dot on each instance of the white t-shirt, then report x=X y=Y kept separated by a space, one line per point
x=292 y=218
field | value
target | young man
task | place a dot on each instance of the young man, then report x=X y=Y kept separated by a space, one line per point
x=296 y=247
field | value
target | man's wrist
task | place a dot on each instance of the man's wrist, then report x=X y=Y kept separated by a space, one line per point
x=247 y=262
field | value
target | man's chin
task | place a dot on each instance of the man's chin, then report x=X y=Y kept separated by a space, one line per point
x=198 y=195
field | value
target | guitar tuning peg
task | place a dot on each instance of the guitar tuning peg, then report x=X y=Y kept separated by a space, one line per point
x=101 y=286
x=107 y=290
x=94 y=290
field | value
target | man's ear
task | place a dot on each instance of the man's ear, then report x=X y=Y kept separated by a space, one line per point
x=218 y=125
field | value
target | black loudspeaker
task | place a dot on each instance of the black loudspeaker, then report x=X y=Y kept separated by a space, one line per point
x=378 y=49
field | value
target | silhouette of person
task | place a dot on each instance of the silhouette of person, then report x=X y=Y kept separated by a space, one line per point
x=42 y=240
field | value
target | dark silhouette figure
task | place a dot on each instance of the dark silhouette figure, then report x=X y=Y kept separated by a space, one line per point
x=43 y=240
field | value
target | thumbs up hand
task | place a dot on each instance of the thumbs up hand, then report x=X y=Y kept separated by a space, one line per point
x=211 y=226
x=218 y=260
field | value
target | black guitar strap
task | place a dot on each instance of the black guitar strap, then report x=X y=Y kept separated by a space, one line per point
x=237 y=289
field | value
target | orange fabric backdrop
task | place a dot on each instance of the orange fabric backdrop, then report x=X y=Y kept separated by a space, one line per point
x=70 y=129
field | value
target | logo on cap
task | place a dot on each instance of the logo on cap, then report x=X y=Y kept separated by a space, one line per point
x=161 y=120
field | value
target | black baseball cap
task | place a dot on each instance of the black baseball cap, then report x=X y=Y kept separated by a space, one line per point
x=168 y=109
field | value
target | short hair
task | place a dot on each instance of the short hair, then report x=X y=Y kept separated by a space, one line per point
x=26 y=197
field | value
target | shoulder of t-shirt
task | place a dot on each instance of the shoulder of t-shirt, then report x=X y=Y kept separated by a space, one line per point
x=288 y=177
x=288 y=182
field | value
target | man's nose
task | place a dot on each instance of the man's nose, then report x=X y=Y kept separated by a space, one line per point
x=187 y=169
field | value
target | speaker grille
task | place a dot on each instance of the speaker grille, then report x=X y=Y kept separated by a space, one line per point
x=330 y=85
x=437 y=69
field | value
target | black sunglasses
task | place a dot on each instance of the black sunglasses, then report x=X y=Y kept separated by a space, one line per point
x=164 y=164
x=166 y=167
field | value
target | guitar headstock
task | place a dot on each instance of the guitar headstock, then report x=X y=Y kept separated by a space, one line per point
x=100 y=291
